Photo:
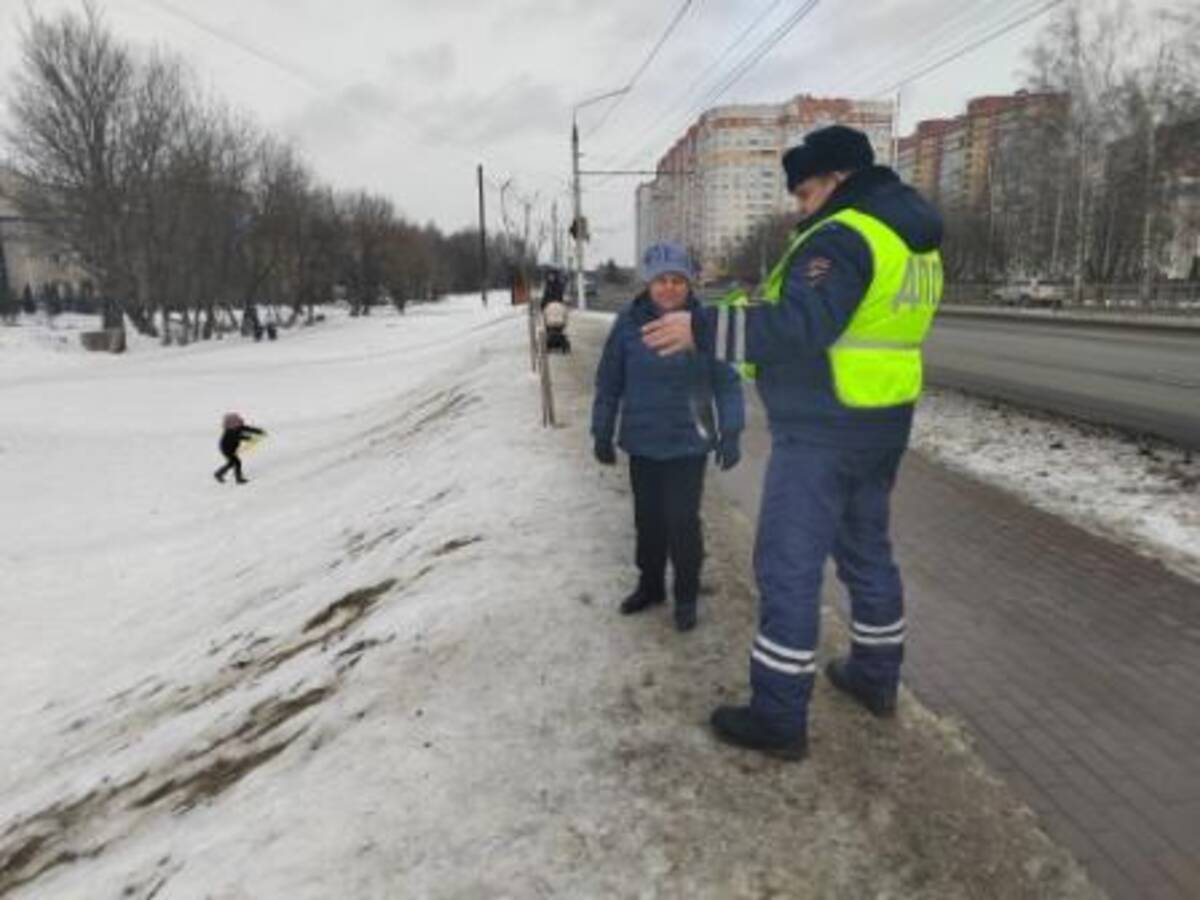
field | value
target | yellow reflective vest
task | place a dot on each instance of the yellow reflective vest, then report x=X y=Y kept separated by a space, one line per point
x=877 y=360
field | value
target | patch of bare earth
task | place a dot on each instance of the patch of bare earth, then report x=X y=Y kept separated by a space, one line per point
x=70 y=830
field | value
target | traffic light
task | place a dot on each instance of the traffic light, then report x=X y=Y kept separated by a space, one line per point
x=579 y=229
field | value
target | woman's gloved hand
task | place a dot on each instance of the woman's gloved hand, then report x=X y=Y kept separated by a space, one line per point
x=605 y=453
x=729 y=451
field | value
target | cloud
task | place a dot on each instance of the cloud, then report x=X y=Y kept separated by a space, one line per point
x=436 y=63
x=406 y=95
x=347 y=114
x=524 y=108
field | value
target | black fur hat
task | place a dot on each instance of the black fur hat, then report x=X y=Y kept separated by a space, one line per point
x=835 y=148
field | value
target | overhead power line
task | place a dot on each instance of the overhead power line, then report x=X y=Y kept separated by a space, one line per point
x=739 y=70
x=687 y=92
x=222 y=35
x=959 y=42
x=658 y=45
x=974 y=45
x=913 y=44
x=317 y=84
x=760 y=52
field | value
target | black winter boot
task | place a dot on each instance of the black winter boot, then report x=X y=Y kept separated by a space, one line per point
x=878 y=701
x=639 y=600
x=685 y=615
x=687 y=592
x=743 y=727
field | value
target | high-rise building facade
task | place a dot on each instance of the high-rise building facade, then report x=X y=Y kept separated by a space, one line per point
x=950 y=160
x=723 y=176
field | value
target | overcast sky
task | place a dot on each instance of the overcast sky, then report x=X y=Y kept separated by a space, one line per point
x=405 y=96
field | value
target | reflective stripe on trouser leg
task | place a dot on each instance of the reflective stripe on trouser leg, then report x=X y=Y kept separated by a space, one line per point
x=801 y=507
x=863 y=553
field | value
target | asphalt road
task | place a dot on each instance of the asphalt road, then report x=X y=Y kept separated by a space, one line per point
x=1138 y=379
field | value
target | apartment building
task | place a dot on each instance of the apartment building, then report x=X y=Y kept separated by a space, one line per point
x=723 y=176
x=950 y=160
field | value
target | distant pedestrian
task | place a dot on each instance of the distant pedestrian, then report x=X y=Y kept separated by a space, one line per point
x=553 y=288
x=235 y=432
x=666 y=408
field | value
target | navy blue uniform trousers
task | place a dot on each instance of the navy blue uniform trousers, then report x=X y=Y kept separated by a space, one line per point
x=817 y=502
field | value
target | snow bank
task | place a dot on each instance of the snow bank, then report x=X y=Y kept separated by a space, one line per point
x=1145 y=493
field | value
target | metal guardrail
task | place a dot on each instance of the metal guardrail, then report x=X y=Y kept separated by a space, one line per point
x=1171 y=298
x=1112 y=302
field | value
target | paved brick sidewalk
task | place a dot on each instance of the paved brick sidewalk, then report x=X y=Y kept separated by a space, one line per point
x=1076 y=664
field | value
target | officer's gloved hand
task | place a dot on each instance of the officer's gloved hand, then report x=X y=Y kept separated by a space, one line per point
x=729 y=451
x=605 y=454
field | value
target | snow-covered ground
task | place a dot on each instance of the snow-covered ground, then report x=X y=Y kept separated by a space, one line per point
x=1146 y=494
x=34 y=342
x=389 y=666
x=161 y=631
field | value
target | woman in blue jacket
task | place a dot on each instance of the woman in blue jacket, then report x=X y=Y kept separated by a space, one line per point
x=665 y=405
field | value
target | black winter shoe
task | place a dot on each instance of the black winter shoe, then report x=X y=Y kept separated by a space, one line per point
x=219 y=477
x=640 y=600
x=685 y=616
x=879 y=702
x=743 y=727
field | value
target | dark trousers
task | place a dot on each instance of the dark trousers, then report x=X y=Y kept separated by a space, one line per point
x=666 y=509
x=231 y=462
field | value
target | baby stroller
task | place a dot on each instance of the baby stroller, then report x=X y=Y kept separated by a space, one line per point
x=554 y=315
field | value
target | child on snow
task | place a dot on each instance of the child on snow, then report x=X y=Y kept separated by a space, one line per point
x=235 y=431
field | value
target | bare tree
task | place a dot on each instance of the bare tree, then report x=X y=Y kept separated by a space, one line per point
x=184 y=212
x=72 y=107
x=1160 y=88
x=1128 y=78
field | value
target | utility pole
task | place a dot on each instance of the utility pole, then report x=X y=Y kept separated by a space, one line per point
x=483 y=256
x=579 y=232
x=577 y=220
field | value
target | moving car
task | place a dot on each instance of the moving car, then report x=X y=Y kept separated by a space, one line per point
x=1031 y=292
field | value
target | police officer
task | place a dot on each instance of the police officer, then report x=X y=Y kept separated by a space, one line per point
x=834 y=340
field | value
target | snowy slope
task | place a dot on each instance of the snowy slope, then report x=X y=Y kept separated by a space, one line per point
x=163 y=627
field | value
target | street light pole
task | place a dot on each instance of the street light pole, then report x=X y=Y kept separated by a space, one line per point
x=577 y=219
x=577 y=193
